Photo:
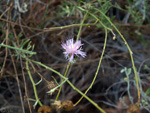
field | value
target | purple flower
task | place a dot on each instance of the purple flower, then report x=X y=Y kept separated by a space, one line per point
x=72 y=49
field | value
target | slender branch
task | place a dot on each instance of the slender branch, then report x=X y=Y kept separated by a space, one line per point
x=18 y=84
x=81 y=25
x=100 y=60
x=131 y=55
x=19 y=49
x=90 y=100
x=33 y=83
x=63 y=80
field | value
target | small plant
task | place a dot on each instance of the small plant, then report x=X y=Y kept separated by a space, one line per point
x=84 y=20
x=144 y=95
x=127 y=79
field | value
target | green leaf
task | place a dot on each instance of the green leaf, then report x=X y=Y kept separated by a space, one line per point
x=123 y=70
x=52 y=90
x=24 y=43
x=126 y=79
x=128 y=71
x=147 y=91
x=146 y=67
x=106 y=6
x=19 y=36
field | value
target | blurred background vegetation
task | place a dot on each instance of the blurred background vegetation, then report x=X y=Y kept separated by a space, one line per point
x=45 y=24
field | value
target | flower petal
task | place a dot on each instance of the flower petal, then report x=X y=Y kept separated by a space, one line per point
x=83 y=54
x=72 y=49
x=71 y=58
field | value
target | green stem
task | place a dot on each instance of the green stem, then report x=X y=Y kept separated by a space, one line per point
x=20 y=49
x=130 y=52
x=33 y=83
x=100 y=60
x=70 y=62
x=63 y=81
x=81 y=26
x=91 y=101
x=96 y=18
x=68 y=26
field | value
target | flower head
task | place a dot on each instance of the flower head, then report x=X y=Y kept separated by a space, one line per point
x=72 y=49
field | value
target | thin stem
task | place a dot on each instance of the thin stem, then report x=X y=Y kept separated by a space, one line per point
x=63 y=81
x=47 y=29
x=79 y=33
x=128 y=89
x=25 y=84
x=130 y=52
x=100 y=60
x=19 y=87
x=33 y=83
x=68 y=26
x=100 y=22
x=96 y=18
x=20 y=49
x=91 y=101
x=81 y=25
